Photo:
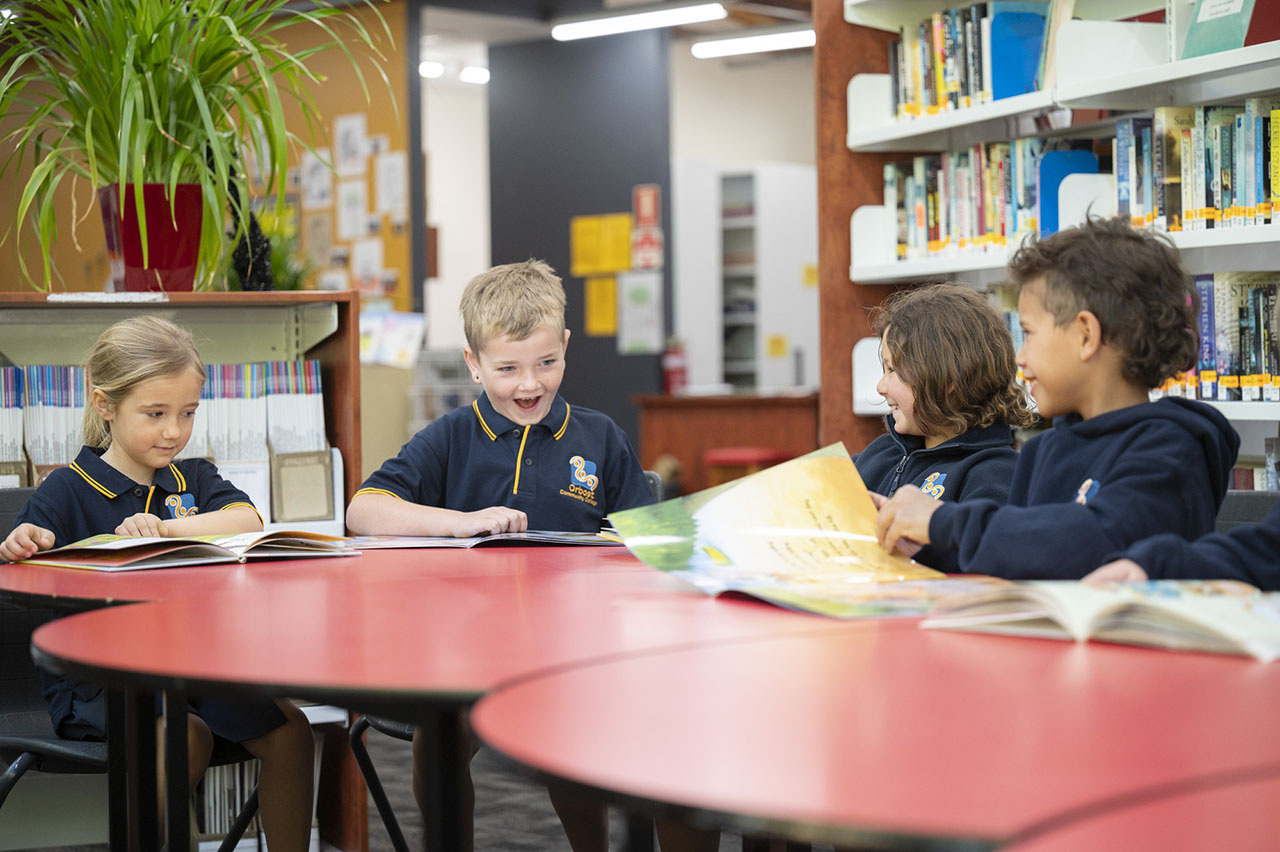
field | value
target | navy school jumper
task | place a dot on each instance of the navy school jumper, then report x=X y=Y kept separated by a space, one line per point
x=1086 y=489
x=975 y=465
x=1250 y=552
x=566 y=472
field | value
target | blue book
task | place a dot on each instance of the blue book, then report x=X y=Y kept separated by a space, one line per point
x=1054 y=166
x=1016 y=41
x=1207 y=365
x=1148 y=166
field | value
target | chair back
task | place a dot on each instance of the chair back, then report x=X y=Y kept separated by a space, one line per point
x=655 y=483
x=1243 y=507
x=11 y=502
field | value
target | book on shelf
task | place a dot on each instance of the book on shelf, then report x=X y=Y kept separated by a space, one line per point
x=800 y=535
x=396 y=542
x=1167 y=124
x=134 y=553
x=1216 y=26
x=1217 y=616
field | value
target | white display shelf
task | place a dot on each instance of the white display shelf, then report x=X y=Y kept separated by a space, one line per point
x=1218 y=77
x=892 y=14
x=734 y=223
x=1262 y=411
x=956 y=128
x=929 y=269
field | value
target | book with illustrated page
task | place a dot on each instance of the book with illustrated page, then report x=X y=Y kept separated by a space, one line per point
x=390 y=542
x=1218 y=616
x=133 y=553
x=800 y=535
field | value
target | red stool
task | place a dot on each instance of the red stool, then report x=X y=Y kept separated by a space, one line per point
x=724 y=464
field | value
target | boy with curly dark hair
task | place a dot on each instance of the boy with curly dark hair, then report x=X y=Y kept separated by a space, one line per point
x=1107 y=312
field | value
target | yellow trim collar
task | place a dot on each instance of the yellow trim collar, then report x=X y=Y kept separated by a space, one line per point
x=101 y=489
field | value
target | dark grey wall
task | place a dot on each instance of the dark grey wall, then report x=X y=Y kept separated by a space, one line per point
x=573 y=126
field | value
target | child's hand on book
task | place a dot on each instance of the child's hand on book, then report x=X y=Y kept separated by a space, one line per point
x=24 y=542
x=495 y=519
x=141 y=524
x=1120 y=571
x=903 y=520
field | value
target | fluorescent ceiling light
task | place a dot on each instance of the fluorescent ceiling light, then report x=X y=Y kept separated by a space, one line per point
x=477 y=74
x=634 y=20
x=429 y=69
x=734 y=46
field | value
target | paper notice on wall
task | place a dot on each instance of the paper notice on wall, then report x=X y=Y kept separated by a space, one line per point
x=366 y=264
x=351 y=148
x=353 y=209
x=393 y=180
x=317 y=180
x=639 y=313
x=599 y=245
x=317 y=237
x=600 y=314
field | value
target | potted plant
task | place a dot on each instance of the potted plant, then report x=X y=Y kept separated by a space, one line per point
x=156 y=105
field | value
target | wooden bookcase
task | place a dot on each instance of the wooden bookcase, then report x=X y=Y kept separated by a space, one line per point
x=59 y=328
x=853 y=149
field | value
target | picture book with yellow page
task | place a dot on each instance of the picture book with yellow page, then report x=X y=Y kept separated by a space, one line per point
x=800 y=535
x=1218 y=616
x=134 y=553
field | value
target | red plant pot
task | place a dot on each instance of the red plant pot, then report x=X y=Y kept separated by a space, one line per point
x=173 y=237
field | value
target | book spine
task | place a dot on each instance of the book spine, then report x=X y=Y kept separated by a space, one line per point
x=1226 y=337
x=1207 y=364
x=1247 y=173
x=1185 y=182
x=985 y=37
x=972 y=62
x=1274 y=171
x=1123 y=167
x=1159 y=162
x=1197 y=214
x=1148 y=178
x=1239 y=182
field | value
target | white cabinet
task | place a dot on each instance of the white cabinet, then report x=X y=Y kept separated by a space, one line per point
x=745 y=267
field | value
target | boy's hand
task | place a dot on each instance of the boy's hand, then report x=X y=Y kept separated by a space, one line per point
x=24 y=542
x=142 y=525
x=495 y=519
x=905 y=516
x=1120 y=571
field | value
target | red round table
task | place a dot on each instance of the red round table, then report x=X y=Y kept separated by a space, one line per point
x=413 y=634
x=880 y=736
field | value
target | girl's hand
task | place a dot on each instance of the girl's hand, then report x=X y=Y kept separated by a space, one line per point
x=905 y=516
x=495 y=519
x=142 y=525
x=1120 y=571
x=24 y=542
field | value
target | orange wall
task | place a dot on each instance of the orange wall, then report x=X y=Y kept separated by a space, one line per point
x=80 y=259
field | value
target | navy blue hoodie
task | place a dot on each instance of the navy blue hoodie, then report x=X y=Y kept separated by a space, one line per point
x=978 y=464
x=1250 y=552
x=1088 y=488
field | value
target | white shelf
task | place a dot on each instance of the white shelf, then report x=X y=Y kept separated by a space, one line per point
x=735 y=223
x=931 y=268
x=892 y=14
x=953 y=128
x=739 y=270
x=1224 y=76
x=1248 y=410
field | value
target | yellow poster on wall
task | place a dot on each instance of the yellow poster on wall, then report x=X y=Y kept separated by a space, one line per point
x=601 y=307
x=599 y=245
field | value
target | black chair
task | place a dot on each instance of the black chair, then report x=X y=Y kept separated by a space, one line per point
x=404 y=731
x=1243 y=507
x=27 y=738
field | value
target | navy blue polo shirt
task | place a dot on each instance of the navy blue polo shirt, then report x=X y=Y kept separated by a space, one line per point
x=566 y=472
x=91 y=497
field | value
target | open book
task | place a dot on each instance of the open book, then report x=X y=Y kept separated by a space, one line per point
x=387 y=542
x=1219 y=616
x=800 y=535
x=133 y=553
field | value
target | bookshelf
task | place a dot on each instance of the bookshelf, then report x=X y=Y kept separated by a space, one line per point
x=746 y=305
x=1089 y=78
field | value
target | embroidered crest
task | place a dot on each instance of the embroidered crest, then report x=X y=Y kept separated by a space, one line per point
x=1086 y=491
x=582 y=480
x=933 y=485
x=181 y=505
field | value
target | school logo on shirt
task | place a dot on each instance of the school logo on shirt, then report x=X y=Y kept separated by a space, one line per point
x=932 y=485
x=181 y=505
x=1086 y=491
x=582 y=480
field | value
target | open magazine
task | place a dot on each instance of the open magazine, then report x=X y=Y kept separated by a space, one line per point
x=800 y=535
x=1219 y=616
x=387 y=542
x=132 y=553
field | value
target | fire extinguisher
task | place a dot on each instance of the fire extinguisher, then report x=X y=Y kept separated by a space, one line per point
x=675 y=373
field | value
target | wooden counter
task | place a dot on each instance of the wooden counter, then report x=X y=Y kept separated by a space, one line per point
x=688 y=426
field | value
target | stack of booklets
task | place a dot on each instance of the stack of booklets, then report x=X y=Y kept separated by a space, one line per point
x=133 y=553
x=1219 y=616
x=800 y=535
